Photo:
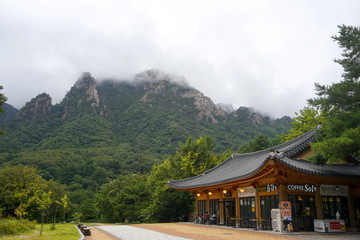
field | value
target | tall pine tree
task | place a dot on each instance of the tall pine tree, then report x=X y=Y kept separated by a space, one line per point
x=340 y=137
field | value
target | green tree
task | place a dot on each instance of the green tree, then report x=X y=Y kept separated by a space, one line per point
x=349 y=41
x=64 y=203
x=44 y=201
x=20 y=190
x=260 y=142
x=306 y=120
x=340 y=137
x=2 y=100
x=123 y=198
x=25 y=188
x=196 y=156
x=167 y=205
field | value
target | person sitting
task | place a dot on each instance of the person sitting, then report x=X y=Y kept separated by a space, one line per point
x=206 y=218
x=200 y=218
x=213 y=218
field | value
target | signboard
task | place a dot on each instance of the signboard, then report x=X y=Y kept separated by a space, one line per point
x=246 y=192
x=271 y=188
x=305 y=188
x=326 y=225
x=333 y=190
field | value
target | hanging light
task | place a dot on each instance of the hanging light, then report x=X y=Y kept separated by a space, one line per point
x=198 y=194
x=210 y=193
x=242 y=190
x=224 y=191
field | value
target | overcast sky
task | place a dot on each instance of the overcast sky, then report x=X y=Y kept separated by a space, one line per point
x=261 y=54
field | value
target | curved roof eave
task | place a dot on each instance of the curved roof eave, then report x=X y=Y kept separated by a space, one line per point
x=214 y=183
x=253 y=161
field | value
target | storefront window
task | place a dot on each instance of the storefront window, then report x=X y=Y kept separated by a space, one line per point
x=357 y=211
x=303 y=212
x=332 y=205
x=202 y=206
x=214 y=207
x=267 y=203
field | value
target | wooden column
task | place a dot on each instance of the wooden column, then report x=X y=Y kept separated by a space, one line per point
x=207 y=204
x=237 y=207
x=221 y=206
x=351 y=208
x=282 y=190
x=196 y=206
x=318 y=204
x=257 y=208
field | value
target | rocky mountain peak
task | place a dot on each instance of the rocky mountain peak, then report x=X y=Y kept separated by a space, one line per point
x=207 y=108
x=85 y=87
x=248 y=114
x=36 y=108
x=155 y=75
x=225 y=107
x=157 y=83
x=85 y=81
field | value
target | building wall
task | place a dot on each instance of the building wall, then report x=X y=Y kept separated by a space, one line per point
x=288 y=185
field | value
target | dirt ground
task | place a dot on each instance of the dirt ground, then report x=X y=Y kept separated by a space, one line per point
x=202 y=232
x=197 y=232
x=97 y=234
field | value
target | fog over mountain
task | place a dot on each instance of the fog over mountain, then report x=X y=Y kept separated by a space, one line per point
x=261 y=54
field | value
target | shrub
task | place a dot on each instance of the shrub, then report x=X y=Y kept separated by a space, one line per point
x=13 y=226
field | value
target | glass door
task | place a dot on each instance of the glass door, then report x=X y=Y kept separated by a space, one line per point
x=229 y=211
x=214 y=209
x=303 y=212
x=247 y=212
x=267 y=203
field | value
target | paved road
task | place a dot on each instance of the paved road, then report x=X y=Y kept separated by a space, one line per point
x=134 y=233
x=328 y=236
x=190 y=231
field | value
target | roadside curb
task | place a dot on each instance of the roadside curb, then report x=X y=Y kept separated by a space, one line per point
x=82 y=237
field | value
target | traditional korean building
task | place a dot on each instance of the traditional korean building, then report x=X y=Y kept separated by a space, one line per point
x=243 y=189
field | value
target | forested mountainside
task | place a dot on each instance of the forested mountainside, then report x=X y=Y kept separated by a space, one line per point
x=152 y=113
x=102 y=129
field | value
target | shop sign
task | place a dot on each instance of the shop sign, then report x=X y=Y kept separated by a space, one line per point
x=305 y=188
x=247 y=192
x=333 y=190
x=271 y=188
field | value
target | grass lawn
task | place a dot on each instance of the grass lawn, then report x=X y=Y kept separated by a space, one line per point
x=66 y=231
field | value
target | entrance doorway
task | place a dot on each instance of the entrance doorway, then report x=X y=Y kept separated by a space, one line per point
x=214 y=208
x=267 y=203
x=229 y=211
x=303 y=212
x=247 y=212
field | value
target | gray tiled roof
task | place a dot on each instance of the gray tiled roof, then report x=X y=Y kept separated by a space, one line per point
x=240 y=166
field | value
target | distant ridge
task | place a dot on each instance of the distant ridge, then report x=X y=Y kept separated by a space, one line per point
x=153 y=112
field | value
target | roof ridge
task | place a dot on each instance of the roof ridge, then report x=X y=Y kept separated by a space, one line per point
x=303 y=137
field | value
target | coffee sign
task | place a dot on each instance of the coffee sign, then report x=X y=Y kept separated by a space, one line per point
x=305 y=188
x=333 y=190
